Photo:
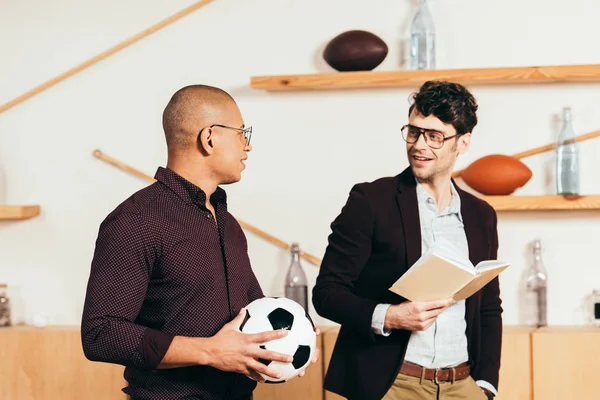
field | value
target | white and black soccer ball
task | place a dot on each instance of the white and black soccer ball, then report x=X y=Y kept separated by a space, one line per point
x=272 y=313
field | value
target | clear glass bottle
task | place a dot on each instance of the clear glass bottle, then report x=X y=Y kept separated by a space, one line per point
x=4 y=306
x=422 y=39
x=296 y=284
x=567 y=157
x=536 y=284
x=596 y=307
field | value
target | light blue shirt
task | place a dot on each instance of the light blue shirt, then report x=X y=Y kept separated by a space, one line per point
x=444 y=343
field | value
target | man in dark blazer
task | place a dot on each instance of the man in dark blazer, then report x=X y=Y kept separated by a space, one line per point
x=389 y=347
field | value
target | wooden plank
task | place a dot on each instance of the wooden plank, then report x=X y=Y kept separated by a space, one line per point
x=543 y=203
x=565 y=362
x=246 y=226
x=543 y=149
x=413 y=79
x=18 y=212
x=105 y=54
x=48 y=363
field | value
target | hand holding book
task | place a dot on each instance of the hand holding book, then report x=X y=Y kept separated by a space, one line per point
x=442 y=273
x=415 y=316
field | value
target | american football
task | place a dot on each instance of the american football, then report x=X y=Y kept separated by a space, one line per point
x=496 y=174
x=355 y=50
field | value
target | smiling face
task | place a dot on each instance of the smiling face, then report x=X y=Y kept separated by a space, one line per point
x=429 y=164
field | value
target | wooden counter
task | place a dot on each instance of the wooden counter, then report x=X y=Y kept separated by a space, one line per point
x=48 y=363
x=565 y=363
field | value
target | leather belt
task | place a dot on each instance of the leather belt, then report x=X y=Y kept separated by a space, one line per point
x=437 y=375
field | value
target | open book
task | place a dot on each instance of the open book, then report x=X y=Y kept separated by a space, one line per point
x=442 y=273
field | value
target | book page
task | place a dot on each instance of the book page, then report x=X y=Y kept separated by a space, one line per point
x=459 y=264
x=444 y=248
x=479 y=282
x=433 y=279
x=489 y=264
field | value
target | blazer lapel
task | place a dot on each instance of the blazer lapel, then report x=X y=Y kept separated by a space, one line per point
x=409 y=213
x=473 y=230
x=475 y=239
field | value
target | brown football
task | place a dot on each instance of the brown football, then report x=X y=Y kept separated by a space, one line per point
x=496 y=174
x=355 y=50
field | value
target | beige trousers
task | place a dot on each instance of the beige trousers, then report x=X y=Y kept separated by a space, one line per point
x=410 y=388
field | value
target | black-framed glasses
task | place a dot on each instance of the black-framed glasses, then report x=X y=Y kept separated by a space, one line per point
x=247 y=131
x=434 y=139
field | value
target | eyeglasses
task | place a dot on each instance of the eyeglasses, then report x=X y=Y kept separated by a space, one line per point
x=434 y=139
x=247 y=132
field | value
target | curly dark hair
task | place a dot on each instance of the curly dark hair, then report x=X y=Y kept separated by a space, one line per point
x=450 y=102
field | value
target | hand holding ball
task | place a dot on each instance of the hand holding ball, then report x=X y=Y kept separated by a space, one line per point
x=271 y=313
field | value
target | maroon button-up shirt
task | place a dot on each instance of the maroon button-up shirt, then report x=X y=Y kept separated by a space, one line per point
x=162 y=268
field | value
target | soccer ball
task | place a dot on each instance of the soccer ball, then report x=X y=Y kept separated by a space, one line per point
x=272 y=313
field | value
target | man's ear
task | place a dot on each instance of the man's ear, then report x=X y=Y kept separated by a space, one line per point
x=205 y=143
x=463 y=142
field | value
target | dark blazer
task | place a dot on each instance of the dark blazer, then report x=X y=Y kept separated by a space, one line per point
x=374 y=240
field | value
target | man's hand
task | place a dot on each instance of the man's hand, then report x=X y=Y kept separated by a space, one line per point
x=315 y=356
x=414 y=316
x=232 y=350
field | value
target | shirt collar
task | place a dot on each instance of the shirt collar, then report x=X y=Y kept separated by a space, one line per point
x=453 y=208
x=186 y=190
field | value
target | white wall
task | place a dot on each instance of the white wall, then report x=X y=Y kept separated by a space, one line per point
x=309 y=148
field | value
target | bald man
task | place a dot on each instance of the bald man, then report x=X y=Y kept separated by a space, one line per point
x=170 y=273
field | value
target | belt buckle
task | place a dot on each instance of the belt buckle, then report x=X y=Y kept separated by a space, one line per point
x=435 y=376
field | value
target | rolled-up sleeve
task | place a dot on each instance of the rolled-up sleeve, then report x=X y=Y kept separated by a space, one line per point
x=120 y=272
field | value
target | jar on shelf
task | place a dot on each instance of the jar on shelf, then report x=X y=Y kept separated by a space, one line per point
x=4 y=306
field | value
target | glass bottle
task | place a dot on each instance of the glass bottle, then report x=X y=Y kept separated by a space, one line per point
x=536 y=287
x=4 y=306
x=596 y=305
x=567 y=157
x=296 y=286
x=422 y=39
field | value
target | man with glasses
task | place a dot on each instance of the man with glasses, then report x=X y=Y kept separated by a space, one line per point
x=388 y=347
x=170 y=273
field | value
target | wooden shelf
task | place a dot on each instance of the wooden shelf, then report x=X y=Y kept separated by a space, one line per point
x=543 y=203
x=411 y=79
x=18 y=212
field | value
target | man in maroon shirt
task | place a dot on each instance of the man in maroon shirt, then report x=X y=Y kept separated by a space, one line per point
x=170 y=273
